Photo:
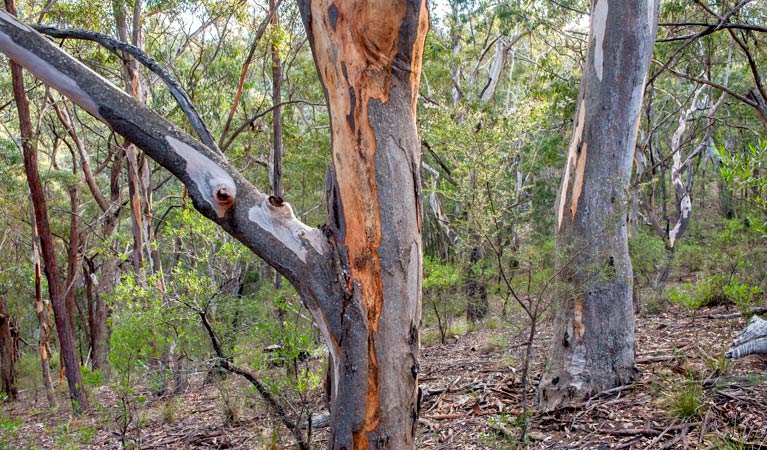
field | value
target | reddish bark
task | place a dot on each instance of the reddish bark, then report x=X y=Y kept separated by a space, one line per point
x=63 y=328
x=7 y=354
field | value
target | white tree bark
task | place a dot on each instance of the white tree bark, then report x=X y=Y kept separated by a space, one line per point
x=753 y=339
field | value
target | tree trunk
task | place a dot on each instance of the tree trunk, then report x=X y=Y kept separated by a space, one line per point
x=98 y=311
x=63 y=328
x=275 y=169
x=476 y=289
x=73 y=255
x=360 y=276
x=7 y=354
x=43 y=318
x=369 y=59
x=593 y=343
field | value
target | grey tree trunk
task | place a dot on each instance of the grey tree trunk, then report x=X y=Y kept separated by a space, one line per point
x=593 y=344
x=361 y=275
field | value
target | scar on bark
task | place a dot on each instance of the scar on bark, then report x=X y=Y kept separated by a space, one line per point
x=224 y=197
x=578 y=327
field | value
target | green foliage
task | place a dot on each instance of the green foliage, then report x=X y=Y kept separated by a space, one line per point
x=93 y=378
x=293 y=342
x=439 y=276
x=9 y=432
x=747 y=170
x=647 y=254
x=441 y=286
x=169 y=409
x=716 y=290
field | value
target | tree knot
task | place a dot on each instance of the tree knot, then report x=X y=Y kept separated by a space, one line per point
x=224 y=196
x=276 y=201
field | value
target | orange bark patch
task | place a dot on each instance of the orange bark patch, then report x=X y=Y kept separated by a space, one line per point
x=580 y=168
x=372 y=413
x=355 y=44
x=416 y=55
x=578 y=327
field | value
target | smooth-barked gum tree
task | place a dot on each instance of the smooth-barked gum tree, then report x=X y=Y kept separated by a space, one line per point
x=593 y=343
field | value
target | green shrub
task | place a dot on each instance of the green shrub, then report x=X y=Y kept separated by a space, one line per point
x=647 y=253
x=686 y=401
x=9 y=432
x=716 y=290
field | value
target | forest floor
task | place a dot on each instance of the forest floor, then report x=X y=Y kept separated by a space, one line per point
x=687 y=396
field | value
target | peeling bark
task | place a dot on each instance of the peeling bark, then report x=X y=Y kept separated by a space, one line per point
x=368 y=58
x=593 y=344
x=43 y=318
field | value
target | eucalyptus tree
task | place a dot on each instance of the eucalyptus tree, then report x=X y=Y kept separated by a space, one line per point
x=360 y=276
x=592 y=347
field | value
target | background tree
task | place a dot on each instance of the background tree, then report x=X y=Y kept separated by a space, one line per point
x=593 y=344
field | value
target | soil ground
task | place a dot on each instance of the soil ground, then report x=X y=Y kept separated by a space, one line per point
x=688 y=396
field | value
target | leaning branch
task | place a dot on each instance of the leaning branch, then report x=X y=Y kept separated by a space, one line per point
x=117 y=47
x=266 y=225
x=722 y=88
x=710 y=28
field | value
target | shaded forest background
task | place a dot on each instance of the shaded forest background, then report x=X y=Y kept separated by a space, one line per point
x=158 y=295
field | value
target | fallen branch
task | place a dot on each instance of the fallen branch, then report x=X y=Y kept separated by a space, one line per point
x=650 y=431
x=653 y=359
x=224 y=363
x=735 y=315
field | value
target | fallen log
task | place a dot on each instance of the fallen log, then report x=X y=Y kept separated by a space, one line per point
x=751 y=340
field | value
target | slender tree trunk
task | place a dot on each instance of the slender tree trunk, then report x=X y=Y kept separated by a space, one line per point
x=98 y=310
x=593 y=344
x=73 y=254
x=7 y=354
x=275 y=163
x=132 y=82
x=43 y=318
x=63 y=328
x=275 y=172
x=476 y=288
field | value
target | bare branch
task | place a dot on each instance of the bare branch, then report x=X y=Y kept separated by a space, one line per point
x=224 y=362
x=722 y=88
x=257 y=116
x=117 y=47
x=245 y=66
